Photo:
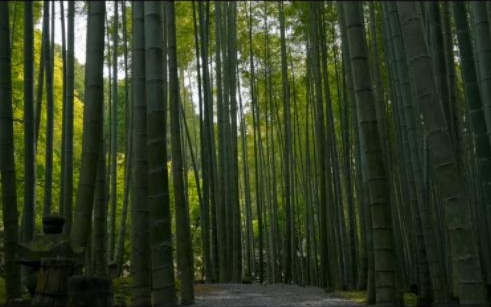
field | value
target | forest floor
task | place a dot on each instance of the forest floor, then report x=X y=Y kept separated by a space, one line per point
x=256 y=295
x=248 y=295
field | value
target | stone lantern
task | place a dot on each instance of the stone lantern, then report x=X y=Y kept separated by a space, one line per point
x=51 y=259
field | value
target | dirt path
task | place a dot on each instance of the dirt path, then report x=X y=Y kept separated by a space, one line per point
x=255 y=295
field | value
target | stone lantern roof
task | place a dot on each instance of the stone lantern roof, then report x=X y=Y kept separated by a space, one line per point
x=53 y=243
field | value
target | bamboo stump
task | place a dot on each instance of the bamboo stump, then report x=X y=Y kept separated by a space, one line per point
x=86 y=291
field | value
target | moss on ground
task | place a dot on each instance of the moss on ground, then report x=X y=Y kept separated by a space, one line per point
x=204 y=289
x=410 y=299
x=359 y=297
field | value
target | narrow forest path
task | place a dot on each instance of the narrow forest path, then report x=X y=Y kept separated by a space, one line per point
x=255 y=295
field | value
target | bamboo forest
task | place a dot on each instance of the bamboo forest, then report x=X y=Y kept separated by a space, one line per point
x=249 y=153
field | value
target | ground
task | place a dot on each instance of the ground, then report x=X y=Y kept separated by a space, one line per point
x=249 y=295
x=255 y=295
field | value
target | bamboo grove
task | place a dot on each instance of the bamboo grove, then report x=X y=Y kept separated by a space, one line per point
x=343 y=145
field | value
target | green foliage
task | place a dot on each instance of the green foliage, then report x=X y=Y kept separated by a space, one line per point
x=184 y=28
x=121 y=290
x=18 y=98
x=18 y=101
x=3 y=295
